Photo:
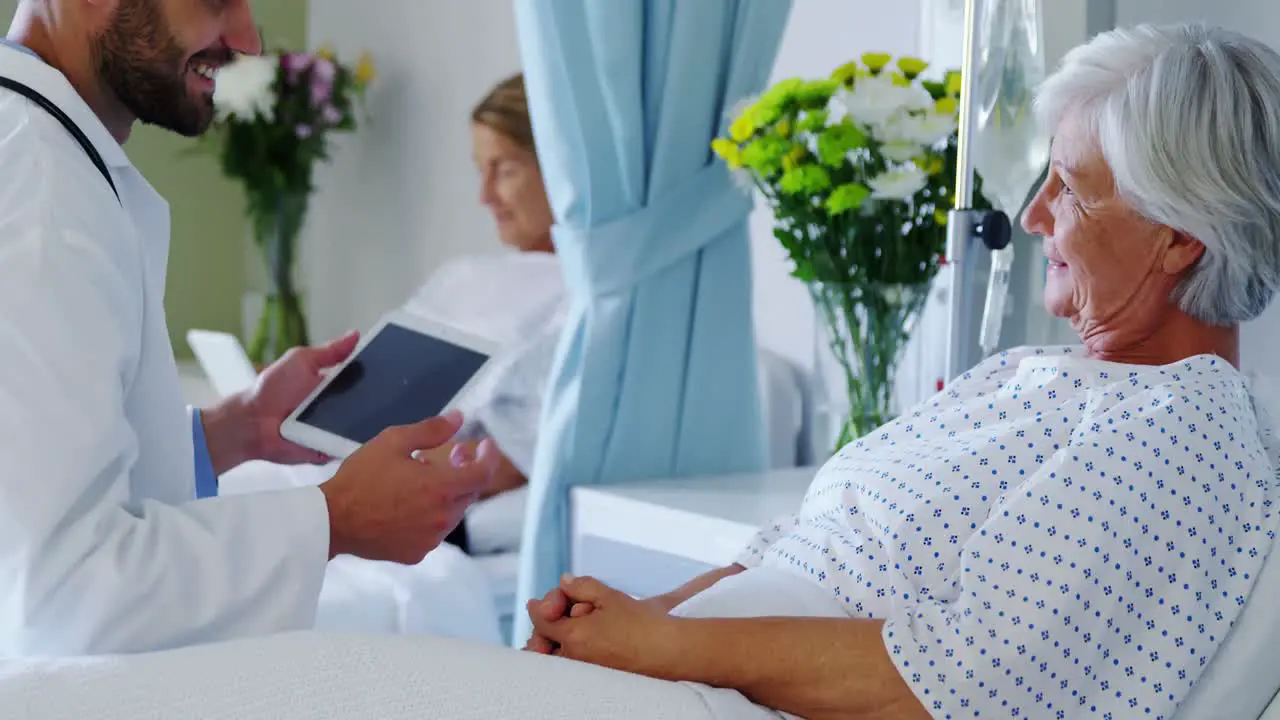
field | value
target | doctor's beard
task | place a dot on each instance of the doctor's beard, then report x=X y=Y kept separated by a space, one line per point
x=142 y=64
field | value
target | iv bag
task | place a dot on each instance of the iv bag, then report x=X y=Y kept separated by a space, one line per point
x=1009 y=148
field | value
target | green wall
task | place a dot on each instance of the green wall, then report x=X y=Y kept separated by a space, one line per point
x=207 y=275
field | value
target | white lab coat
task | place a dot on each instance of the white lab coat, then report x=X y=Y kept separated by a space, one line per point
x=102 y=545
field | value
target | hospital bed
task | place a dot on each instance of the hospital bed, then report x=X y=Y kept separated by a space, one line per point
x=324 y=676
x=411 y=657
x=312 y=676
x=400 y=666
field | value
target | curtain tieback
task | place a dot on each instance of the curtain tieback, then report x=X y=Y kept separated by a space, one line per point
x=614 y=257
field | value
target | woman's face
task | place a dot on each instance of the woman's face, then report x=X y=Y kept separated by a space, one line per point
x=511 y=187
x=1110 y=269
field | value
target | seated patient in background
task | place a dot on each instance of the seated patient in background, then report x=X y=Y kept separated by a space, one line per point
x=511 y=187
x=1065 y=531
x=520 y=303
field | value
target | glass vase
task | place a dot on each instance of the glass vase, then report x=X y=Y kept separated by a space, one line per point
x=282 y=325
x=862 y=330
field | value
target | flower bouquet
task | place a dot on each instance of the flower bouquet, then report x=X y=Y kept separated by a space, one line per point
x=273 y=118
x=859 y=170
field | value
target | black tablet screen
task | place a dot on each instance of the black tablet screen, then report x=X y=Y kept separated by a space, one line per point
x=401 y=376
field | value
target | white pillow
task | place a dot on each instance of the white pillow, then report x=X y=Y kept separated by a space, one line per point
x=494 y=524
x=497 y=296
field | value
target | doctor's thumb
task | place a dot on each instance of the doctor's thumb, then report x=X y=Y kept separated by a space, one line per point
x=430 y=433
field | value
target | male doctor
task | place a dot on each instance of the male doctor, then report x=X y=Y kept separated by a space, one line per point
x=112 y=537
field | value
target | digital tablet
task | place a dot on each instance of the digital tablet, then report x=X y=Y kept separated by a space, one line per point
x=405 y=370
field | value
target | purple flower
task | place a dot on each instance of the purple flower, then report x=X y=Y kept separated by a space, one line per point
x=303 y=131
x=322 y=75
x=294 y=65
x=330 y=115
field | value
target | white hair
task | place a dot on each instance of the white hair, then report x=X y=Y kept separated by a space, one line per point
x=1188 y=119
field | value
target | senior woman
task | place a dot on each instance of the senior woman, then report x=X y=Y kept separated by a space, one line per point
x=1062 y=532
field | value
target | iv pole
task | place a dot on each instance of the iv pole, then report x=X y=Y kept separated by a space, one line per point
x=969 y=232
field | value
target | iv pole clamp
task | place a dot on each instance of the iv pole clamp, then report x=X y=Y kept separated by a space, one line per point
x=970 y=233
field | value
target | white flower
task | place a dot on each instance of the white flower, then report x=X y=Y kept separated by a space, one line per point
x=898 y=184
x=921 y=129
x=900 y=151
x=873 y=100
x=246 y=87
x=870 y=106
x=934 y=127
x=916 y=98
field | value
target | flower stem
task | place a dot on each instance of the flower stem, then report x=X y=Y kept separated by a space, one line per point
x=282 y=324
x=867 y=325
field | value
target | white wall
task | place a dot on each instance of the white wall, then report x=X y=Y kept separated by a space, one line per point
x=1259 y=18
x=400 y=197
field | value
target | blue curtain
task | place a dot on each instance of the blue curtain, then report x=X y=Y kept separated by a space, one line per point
x=655 y=375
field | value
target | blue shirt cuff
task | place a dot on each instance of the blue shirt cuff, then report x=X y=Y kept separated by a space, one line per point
x=206 y=478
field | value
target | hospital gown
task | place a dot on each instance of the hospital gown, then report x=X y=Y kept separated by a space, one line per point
x=507 y=402
x=1052 y=536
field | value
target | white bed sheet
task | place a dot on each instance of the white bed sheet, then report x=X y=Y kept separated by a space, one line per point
x=501 y=571
x=444 y=596
x=448 y=594
x=311 y=676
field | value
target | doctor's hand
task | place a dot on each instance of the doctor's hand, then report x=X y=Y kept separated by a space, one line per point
x=281 y=388
x=386 y=503
x=246 y=426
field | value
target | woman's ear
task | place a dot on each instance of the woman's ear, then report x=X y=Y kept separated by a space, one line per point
x=1184 y=252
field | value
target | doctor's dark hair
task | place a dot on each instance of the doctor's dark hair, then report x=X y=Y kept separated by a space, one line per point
x=1188 y=119
x=506 y=110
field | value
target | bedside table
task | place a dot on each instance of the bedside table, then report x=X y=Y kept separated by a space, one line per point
x=646 y=538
